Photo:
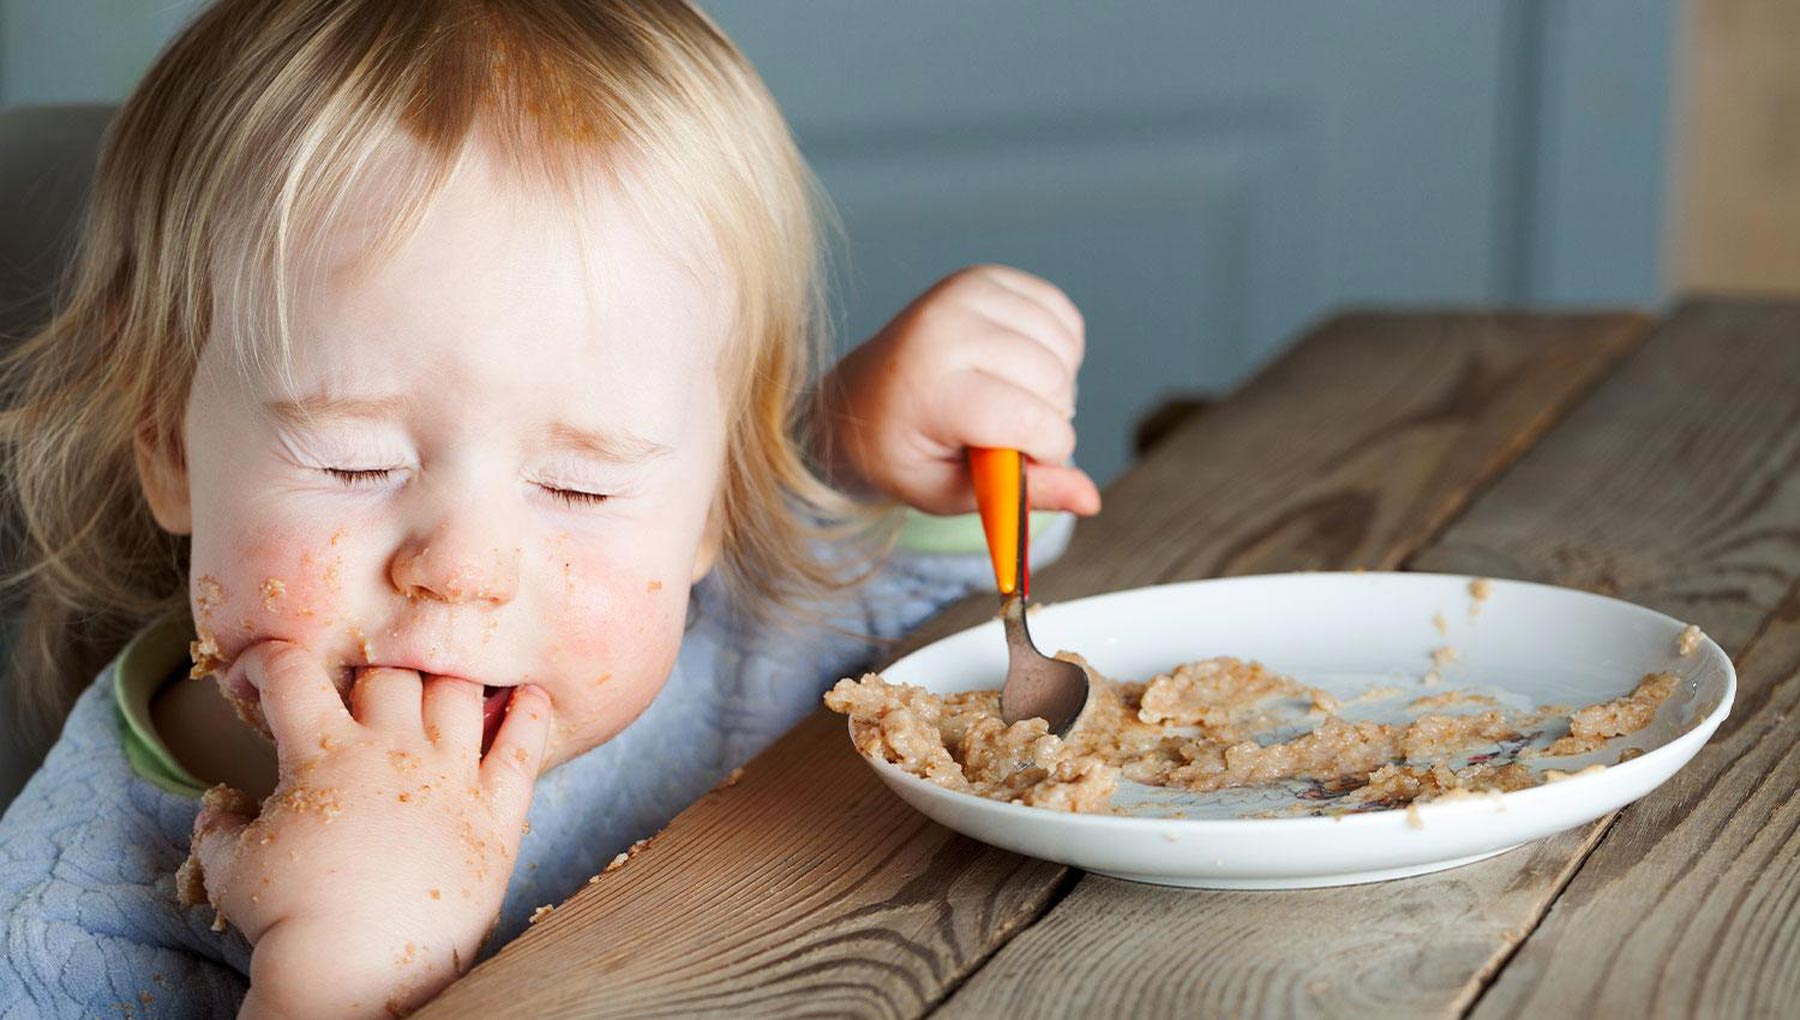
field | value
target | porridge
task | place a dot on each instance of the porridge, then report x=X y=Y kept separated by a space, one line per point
x=1224 y=724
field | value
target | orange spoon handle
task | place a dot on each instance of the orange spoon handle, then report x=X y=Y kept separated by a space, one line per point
x=999 y=477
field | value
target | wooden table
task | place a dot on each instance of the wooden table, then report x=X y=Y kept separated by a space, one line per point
x=1655 y=461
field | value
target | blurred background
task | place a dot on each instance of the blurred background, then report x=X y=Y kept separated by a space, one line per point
x=1206 y=179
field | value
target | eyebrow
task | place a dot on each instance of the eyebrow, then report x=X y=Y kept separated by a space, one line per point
x=623 y=447
x=323 y=408
x=610 y=445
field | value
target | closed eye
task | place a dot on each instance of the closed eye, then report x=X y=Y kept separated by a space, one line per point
x=576 y=497
x=358 y=477
x=361 y=477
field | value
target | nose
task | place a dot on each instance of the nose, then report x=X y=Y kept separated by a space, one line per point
x=456 y=565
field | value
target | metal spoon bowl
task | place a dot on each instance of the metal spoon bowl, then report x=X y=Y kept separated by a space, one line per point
x=1037 y=686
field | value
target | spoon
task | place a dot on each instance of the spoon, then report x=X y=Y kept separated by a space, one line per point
x=1037 y=686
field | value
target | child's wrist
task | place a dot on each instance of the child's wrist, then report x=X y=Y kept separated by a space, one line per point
x=287 y=965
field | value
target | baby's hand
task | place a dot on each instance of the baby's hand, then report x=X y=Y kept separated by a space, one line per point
x=986 y=357
x=378 y=865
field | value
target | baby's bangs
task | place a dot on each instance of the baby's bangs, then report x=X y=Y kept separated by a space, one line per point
x=376 y=192
x=396 y=96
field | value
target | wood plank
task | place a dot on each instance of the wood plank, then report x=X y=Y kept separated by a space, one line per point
x=1395 y=949
x=809 y=884
x=1675 y=485
x=1690 y=905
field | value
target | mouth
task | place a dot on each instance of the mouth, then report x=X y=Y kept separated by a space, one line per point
x=493 y=713
x=493 y=706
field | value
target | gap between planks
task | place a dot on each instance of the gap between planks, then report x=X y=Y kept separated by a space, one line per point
x=789 y=893
x=1674 y=485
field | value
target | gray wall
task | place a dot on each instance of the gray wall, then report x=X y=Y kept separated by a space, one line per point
x=59 y=51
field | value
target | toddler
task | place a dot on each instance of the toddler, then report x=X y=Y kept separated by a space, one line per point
x=426 y=492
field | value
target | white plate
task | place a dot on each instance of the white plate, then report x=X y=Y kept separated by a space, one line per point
x=1343 y=632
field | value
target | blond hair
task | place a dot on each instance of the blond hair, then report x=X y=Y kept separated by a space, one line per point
x=244 y=138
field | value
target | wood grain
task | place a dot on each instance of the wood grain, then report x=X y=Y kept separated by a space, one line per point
x=1690 y=905
x=1395 y=949
x=808 y=888
x=1675 y=485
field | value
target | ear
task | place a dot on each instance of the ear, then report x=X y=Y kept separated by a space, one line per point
x=162 y=473
x=710 y=541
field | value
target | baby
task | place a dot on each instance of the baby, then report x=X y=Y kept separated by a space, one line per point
x=433 y=391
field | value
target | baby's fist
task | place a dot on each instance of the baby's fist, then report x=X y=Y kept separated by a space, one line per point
x=986 y=357
x=382 y=856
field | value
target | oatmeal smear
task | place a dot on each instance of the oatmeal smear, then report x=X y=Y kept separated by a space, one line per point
x=1223 y=723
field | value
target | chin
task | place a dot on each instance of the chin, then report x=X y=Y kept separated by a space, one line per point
x=575 y=732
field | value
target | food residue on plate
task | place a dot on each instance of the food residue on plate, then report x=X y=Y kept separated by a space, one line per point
x=1223 y=723
x=1688 y=640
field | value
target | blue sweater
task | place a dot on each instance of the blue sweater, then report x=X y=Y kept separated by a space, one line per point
x=89 y=849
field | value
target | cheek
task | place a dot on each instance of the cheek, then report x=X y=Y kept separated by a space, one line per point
x=613 y=641
x=251 y=588
x=628 y=622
